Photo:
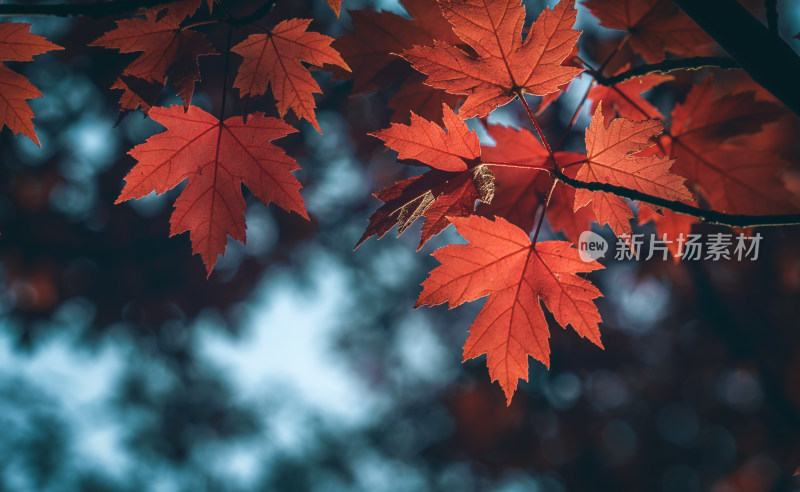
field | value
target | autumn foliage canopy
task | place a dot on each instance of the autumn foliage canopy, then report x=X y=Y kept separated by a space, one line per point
x=716 y=155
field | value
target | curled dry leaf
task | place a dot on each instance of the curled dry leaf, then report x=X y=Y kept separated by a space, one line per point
x=450 y=189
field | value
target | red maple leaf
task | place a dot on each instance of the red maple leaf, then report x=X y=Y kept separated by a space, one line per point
x=612 y=156
x=624 y=99
x=275 y=58
x=18 y=44
x=654 y=27
x=736 y=176
x=451 y=189
x=503 y=63
x=707 y=117
x=519 y=191
x=427 y=142
x=336 y=5
x=371 y=50
x=715 y=139
x=167 y=51
x=500 y=262
x=423 y=99
x=571 y=60
x=216 y=157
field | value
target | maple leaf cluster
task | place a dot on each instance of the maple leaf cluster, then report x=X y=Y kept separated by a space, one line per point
x=18 y=44
x=496 y=196
x=215 y=155
x=446 y=62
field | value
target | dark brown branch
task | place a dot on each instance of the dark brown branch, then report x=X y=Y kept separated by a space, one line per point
x=709 y=216
x=97 y=9
x=693 y=63
x=767 y=58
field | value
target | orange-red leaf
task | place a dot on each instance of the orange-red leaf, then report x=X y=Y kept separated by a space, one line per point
x=17 y=44
x=378 y=36
x=706 y=118
x=14 y=110
x=451 y=189
x=336 y=5
x=371 y=50
x=736 y=177
x=715 y=138
x=612 y=157
x=430 y=144
x=520 y=191
x=216 y=158
x=275 y=58
x=654 y=27
x=167 y=51
x=504 y=62
x=423 y=100
x=501 y=263
x=624 y=99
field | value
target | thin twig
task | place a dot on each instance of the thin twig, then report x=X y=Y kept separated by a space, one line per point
x=533 y=167
x=608 y=59
x=692 y=63
x=595 y=73
x=225 y=77
x=544 y=211
x=521 y=96
x=709 y=216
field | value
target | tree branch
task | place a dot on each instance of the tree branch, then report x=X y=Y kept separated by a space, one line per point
x=767 y=58
x=97 y=9
x=709 y=216
x=693 y=63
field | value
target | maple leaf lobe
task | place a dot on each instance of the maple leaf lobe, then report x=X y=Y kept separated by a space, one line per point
x=275 y=59
x=427 y=142
x=215 y=158
x=655 y=27
x=18 y=44
x=505 y=63
x=457 y=181
x=613 y=155
x=500 y=261
x=167 y=51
